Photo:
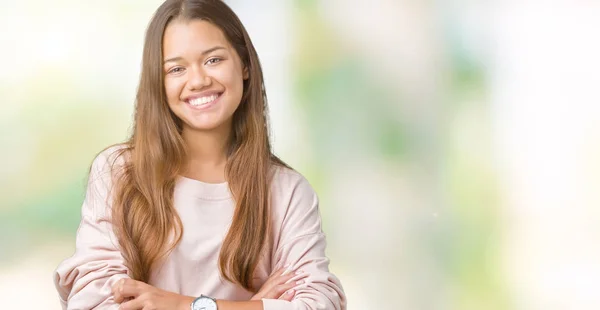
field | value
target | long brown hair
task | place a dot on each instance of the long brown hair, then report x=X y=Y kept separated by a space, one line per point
x=144 y=219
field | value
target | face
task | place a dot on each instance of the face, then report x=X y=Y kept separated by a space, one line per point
x=204 y=75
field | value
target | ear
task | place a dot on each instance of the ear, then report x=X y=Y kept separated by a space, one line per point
x=246 y=73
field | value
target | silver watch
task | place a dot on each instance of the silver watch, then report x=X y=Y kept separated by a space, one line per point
x=204 y=303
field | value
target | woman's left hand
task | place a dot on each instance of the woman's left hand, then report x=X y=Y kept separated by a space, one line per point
x=136 y=295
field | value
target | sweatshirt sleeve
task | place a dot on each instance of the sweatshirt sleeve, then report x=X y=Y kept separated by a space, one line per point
x=84 y=280
x=302 y=244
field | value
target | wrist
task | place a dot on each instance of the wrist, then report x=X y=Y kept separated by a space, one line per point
x=185 y=303
x=239 y=305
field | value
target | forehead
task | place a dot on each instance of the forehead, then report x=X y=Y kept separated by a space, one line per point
x=191 y=36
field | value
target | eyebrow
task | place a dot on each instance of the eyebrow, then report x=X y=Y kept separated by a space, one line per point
x=208 y=51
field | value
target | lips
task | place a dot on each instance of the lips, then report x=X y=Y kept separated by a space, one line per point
x=205 y=101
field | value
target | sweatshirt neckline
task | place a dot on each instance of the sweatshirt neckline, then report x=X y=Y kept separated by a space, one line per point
x=203 y=190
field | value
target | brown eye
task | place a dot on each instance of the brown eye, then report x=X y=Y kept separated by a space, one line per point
x=213 y=61
x=176 y=70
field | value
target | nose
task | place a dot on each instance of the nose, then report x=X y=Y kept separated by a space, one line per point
x=198 y=79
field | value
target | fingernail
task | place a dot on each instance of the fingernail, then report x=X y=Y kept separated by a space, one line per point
x=300 y=282
x=299 y=272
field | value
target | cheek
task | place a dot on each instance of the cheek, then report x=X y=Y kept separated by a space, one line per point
x=173 y=89
x=232 y=78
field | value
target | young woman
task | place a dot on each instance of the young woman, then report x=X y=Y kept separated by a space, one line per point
x=194 y=211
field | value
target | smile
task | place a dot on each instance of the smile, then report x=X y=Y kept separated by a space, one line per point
x=203 y=102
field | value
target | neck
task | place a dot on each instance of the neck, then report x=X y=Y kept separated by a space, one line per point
x=206 y=154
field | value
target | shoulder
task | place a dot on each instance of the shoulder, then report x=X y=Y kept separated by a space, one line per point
x=109 y=160
x=287 y=182
x=292 y=193
x=106 y=167
x=116 y=153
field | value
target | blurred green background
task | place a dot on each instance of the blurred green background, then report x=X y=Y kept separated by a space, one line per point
x=454 y=144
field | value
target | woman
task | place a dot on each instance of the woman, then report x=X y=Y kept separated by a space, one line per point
x=194 y=210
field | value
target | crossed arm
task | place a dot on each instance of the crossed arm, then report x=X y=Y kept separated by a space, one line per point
x=136 y=295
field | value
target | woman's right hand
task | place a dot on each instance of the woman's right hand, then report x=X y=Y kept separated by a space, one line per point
x=280 y=285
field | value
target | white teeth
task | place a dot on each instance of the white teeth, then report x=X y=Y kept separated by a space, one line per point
x=203 y=100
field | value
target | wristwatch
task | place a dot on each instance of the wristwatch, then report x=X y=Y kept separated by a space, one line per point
x=204 y=303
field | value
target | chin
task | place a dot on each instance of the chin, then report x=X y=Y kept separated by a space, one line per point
x=206 y=126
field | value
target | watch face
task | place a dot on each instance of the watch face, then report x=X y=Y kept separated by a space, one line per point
x=205 y=303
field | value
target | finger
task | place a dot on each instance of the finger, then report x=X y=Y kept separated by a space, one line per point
x=278 y=290
x=133 y=304
x=298 y=275
x=272 y=280
x=116 y=289
x=287 y=276
x=284 y=279
x=282 y=269
x=128 y=288
x=288 y=295
x=114 y=286
x=286 y=269
x=290 y=278
x=118 y=284
x=279 y=272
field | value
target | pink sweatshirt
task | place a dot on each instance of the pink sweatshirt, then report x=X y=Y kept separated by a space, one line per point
x=84 y=280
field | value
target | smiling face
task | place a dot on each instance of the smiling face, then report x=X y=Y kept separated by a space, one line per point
x=204 y=76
